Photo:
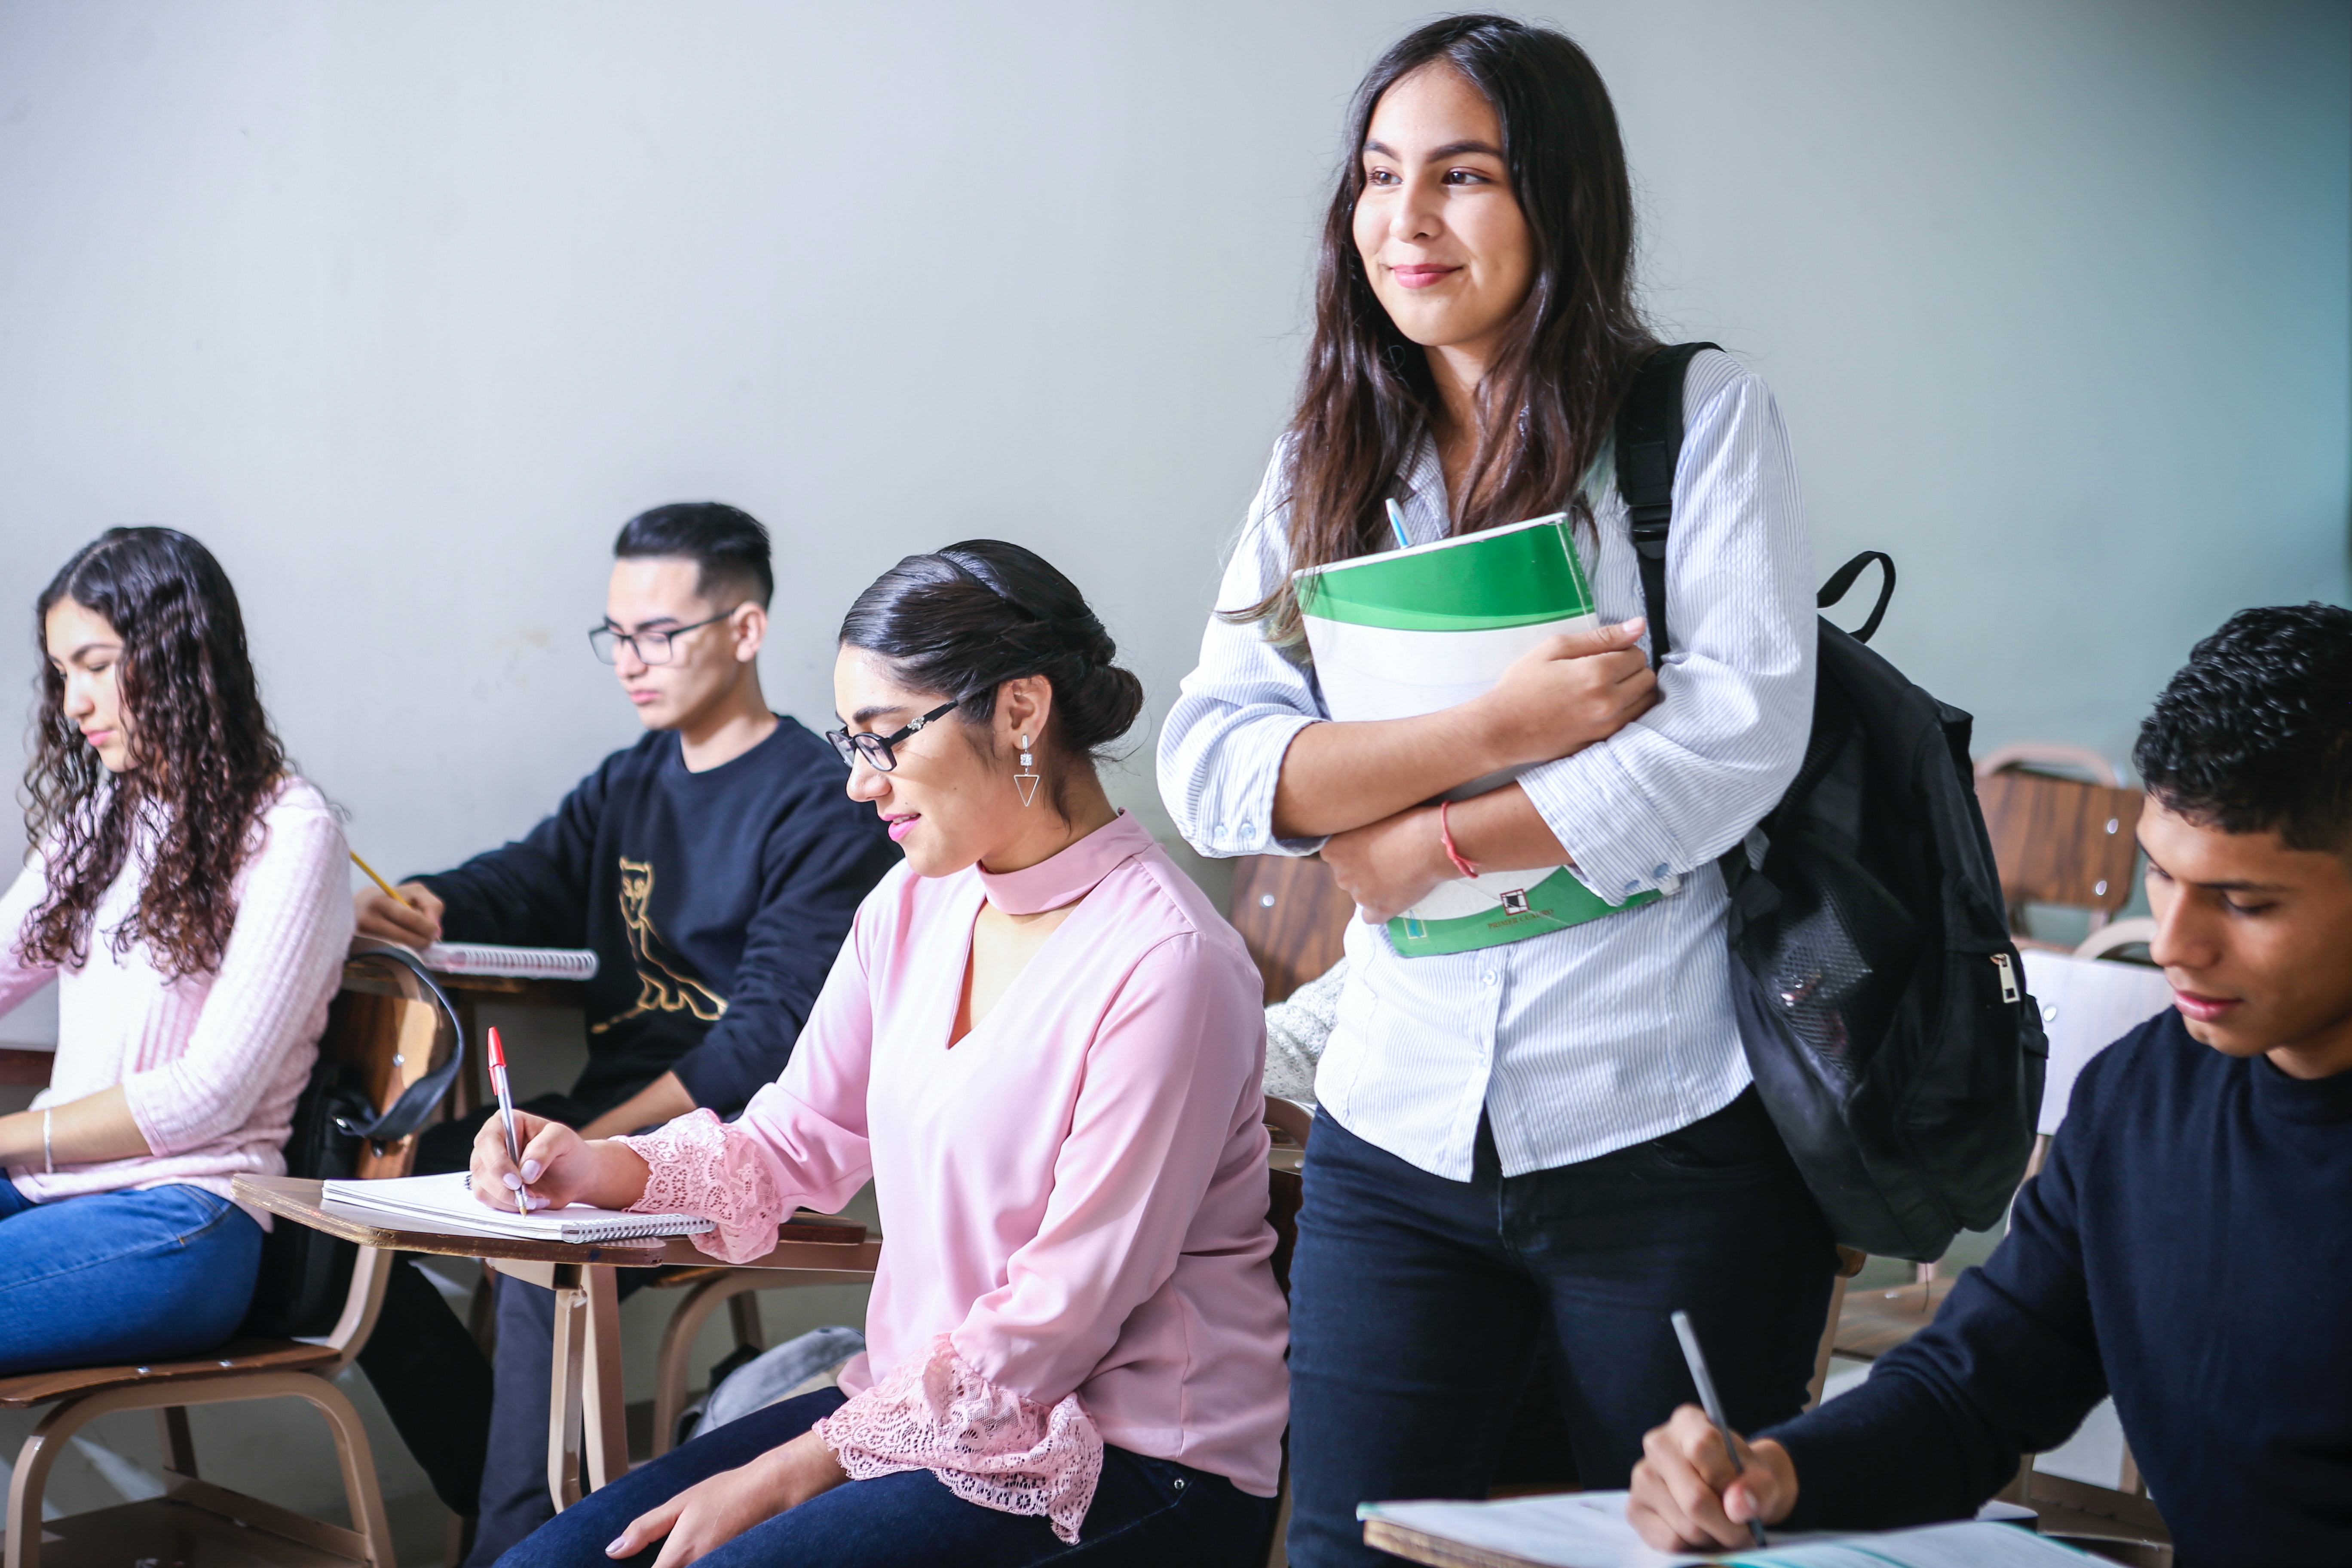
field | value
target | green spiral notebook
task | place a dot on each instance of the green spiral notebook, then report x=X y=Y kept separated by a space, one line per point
x=1413 y=631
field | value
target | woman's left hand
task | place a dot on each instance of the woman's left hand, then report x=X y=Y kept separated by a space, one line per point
x=709 y=1514
x=1389 y=866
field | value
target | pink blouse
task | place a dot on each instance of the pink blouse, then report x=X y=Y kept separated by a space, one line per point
x=1073 y=1196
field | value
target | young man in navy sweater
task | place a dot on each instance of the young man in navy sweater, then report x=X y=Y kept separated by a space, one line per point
x=714 y=867
x=2188 y=1248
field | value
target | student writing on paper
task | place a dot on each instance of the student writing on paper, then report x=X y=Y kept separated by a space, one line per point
x=1555 y=1136
x=714 y=867
x=186 y=891
x=2188 y=1247
x=1044 y=1047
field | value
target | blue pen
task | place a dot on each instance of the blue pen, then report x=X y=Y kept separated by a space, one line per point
x=1396 y=522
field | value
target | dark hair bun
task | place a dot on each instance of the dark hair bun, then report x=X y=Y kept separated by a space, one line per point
x=964 y=620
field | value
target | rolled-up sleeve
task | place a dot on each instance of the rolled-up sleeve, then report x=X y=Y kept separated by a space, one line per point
x=1678 y=787
x=1222 y=748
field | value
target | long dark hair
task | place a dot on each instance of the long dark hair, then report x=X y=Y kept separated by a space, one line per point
x=964 y=620
x=204 y=760
x=1545 y=406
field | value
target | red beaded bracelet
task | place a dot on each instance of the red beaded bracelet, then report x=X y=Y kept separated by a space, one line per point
x=1445 y=837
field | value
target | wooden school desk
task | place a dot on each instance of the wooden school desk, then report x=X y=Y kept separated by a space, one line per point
x=584 y=1402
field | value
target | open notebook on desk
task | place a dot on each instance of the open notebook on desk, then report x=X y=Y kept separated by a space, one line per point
x=1588 y=1530
x=446 y=1203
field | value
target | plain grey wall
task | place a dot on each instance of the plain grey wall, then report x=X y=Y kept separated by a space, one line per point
x=403 y=309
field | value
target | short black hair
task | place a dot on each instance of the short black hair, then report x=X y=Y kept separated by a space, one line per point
x=2255 y=733
x=727 y=544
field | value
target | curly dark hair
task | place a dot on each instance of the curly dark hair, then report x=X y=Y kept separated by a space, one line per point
x=2255 y=733
x=204 y=760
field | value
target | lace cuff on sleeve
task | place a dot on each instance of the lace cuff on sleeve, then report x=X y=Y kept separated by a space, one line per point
x=986 y=1444
x=701 y=1165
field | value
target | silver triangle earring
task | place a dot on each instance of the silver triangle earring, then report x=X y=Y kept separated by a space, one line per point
x=1026 y=778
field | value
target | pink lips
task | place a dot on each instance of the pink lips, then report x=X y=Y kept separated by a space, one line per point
x=1422 y=277
x=2204 y=1009
x=902 y=825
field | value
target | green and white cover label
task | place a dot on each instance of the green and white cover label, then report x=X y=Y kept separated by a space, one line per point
x=1413 y=631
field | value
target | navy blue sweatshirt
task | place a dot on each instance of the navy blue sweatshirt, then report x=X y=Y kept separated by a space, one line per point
x=2188 y=1248
x=715 y=901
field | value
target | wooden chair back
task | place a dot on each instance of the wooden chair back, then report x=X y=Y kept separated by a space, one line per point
x=1293 y=916
x=387 y=1025
x=2060 y=841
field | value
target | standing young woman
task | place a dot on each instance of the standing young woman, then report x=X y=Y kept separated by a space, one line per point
x=1554 y=1136
x=1044 y=1047
x=192 y=899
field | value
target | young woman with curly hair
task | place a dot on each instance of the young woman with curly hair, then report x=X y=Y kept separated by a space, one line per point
x=190 y=895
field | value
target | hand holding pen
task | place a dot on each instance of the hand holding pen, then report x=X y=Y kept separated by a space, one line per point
x=1699 y=1487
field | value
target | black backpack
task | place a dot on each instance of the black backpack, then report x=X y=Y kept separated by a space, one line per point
x=307 y=1274
x=1881 y=1002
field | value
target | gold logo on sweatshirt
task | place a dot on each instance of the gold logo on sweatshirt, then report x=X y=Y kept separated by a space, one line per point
x=664 y=985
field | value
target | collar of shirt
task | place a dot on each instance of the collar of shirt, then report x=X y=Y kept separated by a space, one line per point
x=1069 y=875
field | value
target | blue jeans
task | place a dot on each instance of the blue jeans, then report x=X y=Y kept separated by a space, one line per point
x=1146 y=1513
x=122 y=1276
x=1418 y=1305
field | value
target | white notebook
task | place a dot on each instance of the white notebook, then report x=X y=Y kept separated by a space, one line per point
x=512 y=962
x=1589 y=1530
x=448 y=1203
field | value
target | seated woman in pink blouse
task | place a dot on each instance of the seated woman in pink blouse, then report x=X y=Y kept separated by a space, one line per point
x=192 y=899
x=1044 y=1048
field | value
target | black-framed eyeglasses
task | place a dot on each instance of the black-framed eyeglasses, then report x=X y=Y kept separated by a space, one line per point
x=875 y=749
x=651 y=648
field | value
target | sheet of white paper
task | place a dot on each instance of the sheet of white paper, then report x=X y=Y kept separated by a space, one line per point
x=1575 y=1530
x=1588 y=1530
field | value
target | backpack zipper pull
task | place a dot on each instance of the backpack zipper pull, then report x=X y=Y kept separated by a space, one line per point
x=2008 y=976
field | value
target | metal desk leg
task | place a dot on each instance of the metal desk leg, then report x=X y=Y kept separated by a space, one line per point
x=567 y=1375
x=605 y=1418
x=587 y=1428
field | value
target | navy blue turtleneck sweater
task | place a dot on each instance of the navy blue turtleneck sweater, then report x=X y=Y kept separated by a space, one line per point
x=716 y=902
x=2187 y=1248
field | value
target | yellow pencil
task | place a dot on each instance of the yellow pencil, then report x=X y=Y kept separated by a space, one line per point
x=389 y=891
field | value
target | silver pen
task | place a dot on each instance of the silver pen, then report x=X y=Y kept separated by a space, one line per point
x=1710 y=1403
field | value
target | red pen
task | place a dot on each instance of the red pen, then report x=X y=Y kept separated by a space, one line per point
x=506 y=1114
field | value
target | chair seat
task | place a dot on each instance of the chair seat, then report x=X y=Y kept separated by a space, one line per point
x=237 y=1355
x=1875 y=1321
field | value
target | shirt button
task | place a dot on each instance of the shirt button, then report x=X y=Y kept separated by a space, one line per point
x=1488 y=978
x=1631 y=887
x=1659 y=872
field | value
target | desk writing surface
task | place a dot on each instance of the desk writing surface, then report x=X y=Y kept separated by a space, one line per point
x=298 y=1198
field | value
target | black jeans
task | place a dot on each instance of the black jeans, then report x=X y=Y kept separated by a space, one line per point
x=1146 y=1513
x=1417 y=1302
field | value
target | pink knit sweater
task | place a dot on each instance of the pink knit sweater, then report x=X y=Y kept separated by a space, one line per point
x=211 y=1064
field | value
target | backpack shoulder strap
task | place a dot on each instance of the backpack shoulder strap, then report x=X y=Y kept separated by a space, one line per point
x=1649 y=443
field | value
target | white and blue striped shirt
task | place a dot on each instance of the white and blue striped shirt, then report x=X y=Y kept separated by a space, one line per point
x=1620 y=1029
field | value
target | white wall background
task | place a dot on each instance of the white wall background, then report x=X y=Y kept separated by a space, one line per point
x=403 y=309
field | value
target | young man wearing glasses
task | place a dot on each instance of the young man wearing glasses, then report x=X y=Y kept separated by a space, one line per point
x=714 y=867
